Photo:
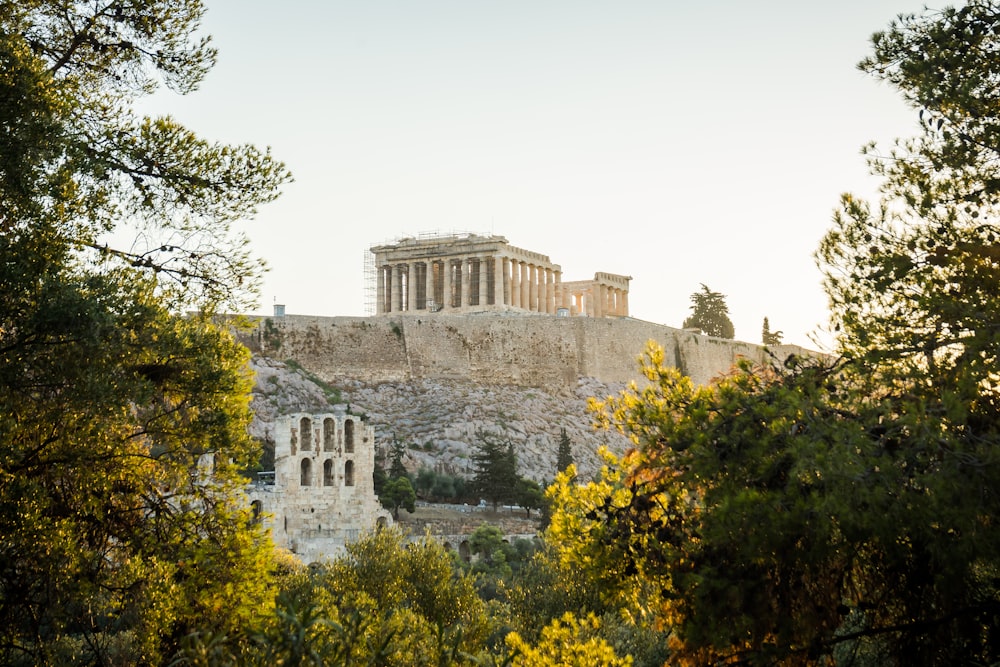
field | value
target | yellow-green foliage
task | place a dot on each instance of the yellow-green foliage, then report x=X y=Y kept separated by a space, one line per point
x=566 y=642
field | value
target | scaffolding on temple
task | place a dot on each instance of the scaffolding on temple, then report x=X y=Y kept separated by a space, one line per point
x=371 y=275
x=369 y=285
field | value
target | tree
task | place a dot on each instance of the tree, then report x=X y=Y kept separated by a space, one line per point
x=425 y=481
x=710 y=313
x=529 y=495
x=398 y=492
x=428 y=613
x=385 y=601
x=396 y=454
x=495 y=475
x=564 y=458
x=379 y=477
x=124 y=425
x=768 y=337
x=494 y=552
x=566 y=642
x=841 y=508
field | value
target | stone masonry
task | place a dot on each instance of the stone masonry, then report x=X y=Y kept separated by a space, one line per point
x=473 y=273
x=322 y=492
x=520 y=349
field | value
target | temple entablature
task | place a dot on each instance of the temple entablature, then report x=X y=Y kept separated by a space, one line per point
x=461 y=273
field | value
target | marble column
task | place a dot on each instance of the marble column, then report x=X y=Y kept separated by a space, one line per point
x=411 y=286
x=498 y=280
x=394 y=288
x=484 y=283
x=429 y=284
x=550 y=292
x=624 y=303
x=446 y=284
x=525 y=286
x=515 y=283
x=466 y=270
x=562 y=292
x=543 y=294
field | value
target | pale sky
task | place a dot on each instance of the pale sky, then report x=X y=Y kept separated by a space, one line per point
x=679 y=143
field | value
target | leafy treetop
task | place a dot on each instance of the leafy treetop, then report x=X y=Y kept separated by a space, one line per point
x=710 y=313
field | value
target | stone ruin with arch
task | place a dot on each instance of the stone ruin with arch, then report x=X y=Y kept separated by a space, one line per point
x=321 y=494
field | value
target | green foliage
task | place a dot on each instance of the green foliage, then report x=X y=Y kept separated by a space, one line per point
x=768 y=337
x=781 y=510
x=495 y=476
x=124 y=426
x=384 y=602
x=564 y=457
x=710 y=313
x=566 y=642
x=428 y=614
x=437 y=486
x=396 y=453
x=494 y=552
x=379 y=477
x=843 y=509
x=396 y=493
x=272 y=337
x=529 y=495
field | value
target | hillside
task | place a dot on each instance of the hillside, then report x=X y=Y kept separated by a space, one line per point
x=438 y=419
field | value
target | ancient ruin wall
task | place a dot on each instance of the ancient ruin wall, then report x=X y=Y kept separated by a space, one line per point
x=518 y=349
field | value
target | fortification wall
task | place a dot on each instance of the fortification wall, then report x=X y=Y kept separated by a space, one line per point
x=492 y=348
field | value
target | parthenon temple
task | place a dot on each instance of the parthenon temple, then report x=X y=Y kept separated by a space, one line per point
x=471 y=273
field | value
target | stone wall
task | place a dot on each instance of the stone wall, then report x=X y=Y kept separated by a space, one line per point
x=322 y=494
x=492 y=348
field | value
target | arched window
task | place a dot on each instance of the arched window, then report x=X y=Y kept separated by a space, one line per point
x=349 y=473
x=328 y=472
x=306 y=478
x=329 y=429
x=349 y=436
x=305 y=430
x=256 y=511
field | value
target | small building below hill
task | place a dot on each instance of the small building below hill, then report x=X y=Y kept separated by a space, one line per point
x=321 y=494
x=470 y=273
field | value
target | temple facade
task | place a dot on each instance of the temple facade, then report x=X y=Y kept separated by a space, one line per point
x=472 y=273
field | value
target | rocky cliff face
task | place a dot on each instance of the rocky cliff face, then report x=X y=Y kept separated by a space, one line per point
x=433 y=382
x=438 y=419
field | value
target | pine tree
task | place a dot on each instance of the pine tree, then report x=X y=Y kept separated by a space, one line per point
x=768 y=337
x=495 y=475
x=396 y=454
x=710 y=313
x=564 y=458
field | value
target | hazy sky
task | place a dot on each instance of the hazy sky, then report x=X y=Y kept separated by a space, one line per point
x=679 y=143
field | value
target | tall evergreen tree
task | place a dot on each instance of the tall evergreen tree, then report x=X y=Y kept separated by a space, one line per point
x=564 y=458
x=396 y=454
x=768 y=337
x=710 y=313
x=495 y=473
